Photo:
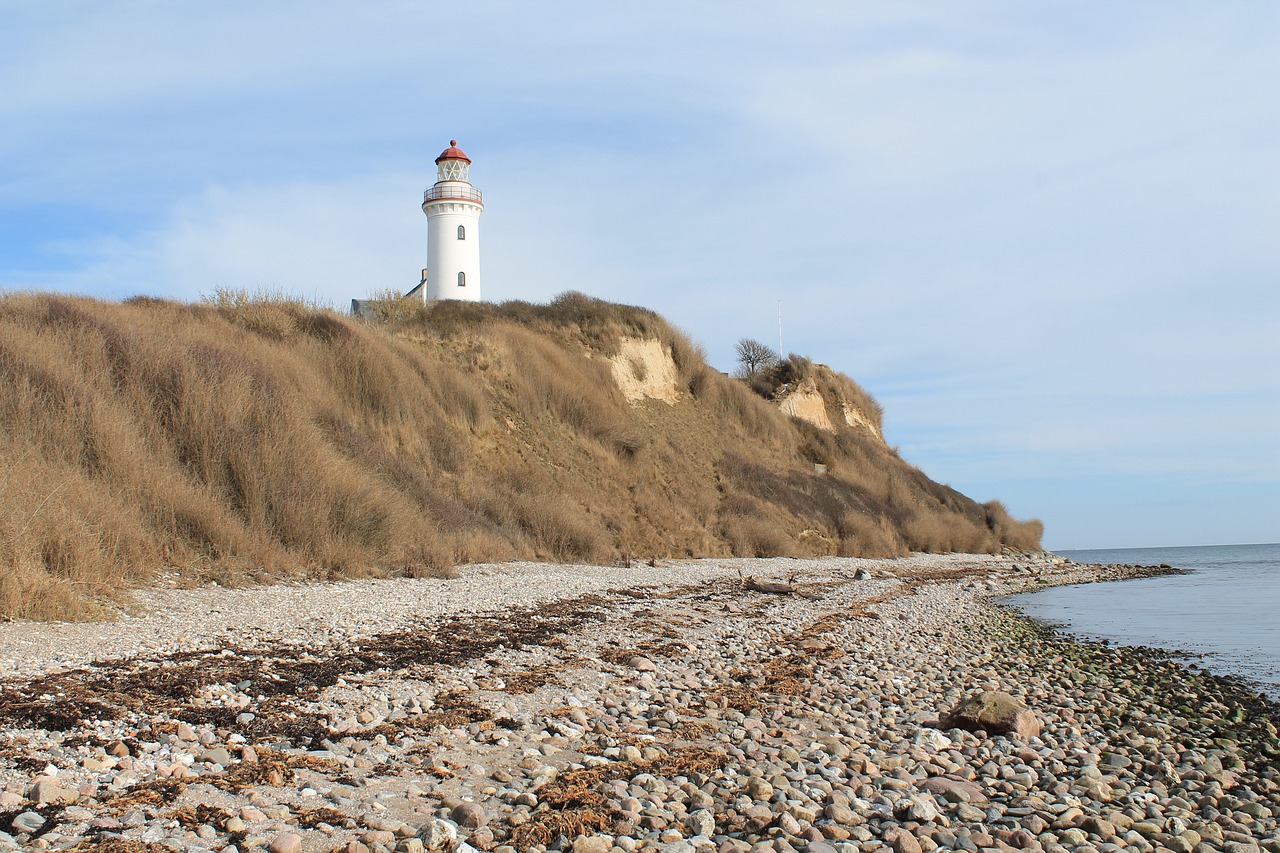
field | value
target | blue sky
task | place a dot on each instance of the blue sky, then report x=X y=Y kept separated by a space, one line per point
x=1045 y=235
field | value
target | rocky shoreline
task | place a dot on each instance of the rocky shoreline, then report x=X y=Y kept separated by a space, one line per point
x=596 y=709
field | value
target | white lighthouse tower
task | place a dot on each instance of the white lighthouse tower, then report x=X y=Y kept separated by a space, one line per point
x=453 y=209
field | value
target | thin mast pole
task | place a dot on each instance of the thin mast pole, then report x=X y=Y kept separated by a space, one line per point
x=780 y=354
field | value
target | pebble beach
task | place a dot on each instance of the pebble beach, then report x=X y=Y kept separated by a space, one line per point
x=702 y=705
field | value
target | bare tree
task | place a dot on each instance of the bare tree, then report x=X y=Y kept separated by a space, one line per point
x=753 y=357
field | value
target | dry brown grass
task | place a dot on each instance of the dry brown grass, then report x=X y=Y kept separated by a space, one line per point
x=249 y=437
x=864 y=535
x=392 y=306
x=1022 y=535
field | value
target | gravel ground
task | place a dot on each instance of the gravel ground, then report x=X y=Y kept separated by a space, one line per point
x=177 y=620
x=531 y=707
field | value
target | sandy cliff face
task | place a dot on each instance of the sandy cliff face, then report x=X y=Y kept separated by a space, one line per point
x=806 y=401
x=645 y=370
x=854 y=417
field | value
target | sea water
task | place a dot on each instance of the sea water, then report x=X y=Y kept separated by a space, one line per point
x=1226 y=608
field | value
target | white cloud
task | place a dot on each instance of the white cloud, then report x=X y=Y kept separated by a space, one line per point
x=334 y=242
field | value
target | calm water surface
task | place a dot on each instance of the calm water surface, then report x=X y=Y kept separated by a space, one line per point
x=1227 y=608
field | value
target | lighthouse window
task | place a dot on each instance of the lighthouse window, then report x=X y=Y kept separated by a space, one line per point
x=462 y=232
x=452 y=170
x=462 y=279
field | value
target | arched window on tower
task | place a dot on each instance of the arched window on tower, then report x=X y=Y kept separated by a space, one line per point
x=462 y=279
x=462 y=232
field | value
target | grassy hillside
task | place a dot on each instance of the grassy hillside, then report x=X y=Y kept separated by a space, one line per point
x=247 y=439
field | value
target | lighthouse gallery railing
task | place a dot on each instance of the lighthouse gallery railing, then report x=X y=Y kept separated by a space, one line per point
x=466 y=193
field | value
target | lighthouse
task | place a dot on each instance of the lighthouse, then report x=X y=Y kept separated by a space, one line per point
x=453 y=209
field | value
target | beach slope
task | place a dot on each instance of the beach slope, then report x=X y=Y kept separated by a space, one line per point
x=529 y=707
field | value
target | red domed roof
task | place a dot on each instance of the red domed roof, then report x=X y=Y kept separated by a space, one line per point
x=453 y=152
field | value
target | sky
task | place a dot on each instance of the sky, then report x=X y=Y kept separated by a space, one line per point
x=1045 y=236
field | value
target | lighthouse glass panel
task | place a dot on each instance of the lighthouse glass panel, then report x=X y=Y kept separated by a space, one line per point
x=452 y=170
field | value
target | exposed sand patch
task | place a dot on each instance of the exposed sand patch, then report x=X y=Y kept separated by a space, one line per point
x=856 y=419
x=807 y=404
x=645 y=370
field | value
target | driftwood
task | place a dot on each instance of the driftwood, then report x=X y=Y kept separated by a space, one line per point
x=770 y=586
x=626 y=562
x=754 y=584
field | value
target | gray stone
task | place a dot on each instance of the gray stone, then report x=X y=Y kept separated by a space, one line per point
x=1073 y=836
x=217 y=755
x=28 y=822
x=438 y=834
x=701 y=822
x=920 y=809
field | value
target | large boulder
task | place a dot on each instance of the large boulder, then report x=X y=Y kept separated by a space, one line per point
x=994 y=712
